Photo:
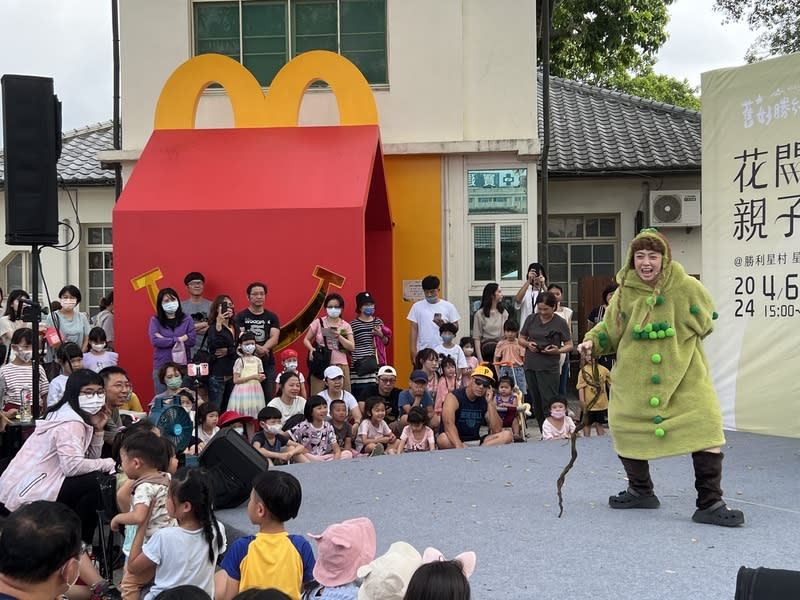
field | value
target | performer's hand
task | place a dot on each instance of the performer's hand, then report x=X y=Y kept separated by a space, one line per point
x=585 y=348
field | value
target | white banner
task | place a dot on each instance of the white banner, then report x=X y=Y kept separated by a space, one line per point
x=751 y=241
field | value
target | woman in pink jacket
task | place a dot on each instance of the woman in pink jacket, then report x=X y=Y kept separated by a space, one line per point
x=61 y=459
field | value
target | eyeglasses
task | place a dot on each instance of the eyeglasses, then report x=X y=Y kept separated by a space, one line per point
x=121 y=386
x=485 y=383
x=387 y=380
x=100 y=393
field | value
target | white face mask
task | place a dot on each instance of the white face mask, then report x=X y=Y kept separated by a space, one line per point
x=274 y=429
x=25 y=355
x=291 y=365
x=170 y=307
x=98 y=347
x=239 y=429
x=333 y=313
x=249 y=348
x=93 y=403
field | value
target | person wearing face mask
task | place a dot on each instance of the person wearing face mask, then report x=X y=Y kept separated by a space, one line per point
x=12 y=319
x=270 y=441
x=171 y=375
x=99 y=356
x=247 y=397
x=237 y=422
x=18 y=374
x=168 y=327
x=335 y=333
x=368 y=332
x=70 y=324
x=448 y=347
x=60 y=460
x=291 y=365
x=427 y=315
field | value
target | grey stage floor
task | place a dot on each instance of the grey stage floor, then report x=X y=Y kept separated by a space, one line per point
x=501 y=502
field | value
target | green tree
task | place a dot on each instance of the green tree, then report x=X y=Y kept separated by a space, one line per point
x=777 y=18
x=661 y=88
x=595 y=41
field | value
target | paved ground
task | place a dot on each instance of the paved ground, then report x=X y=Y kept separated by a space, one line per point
x=501 y=502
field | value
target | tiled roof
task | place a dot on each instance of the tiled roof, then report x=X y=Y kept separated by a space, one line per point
x=593 y=129
x=78 y=163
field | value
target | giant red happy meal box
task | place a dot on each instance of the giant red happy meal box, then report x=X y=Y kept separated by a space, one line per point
x=303 y=209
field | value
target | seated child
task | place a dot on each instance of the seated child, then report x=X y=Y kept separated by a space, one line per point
x=416 y=436
x=187 y=403
x=99 y=357
x=341 y=550
x=472 y=360
x=18 y=373
x=186 y=554
x=340 y=424
x=507 y=405
x=69 y=358
x=269 y=441
x=144 y=461
x=449 y=578
x=290 y=365
x=208 y=414
x=558 y=426
x=316 y=434
x=272 y=558
x=510 y=355
x=448 y=382
x=598 y=413
x=374 y=435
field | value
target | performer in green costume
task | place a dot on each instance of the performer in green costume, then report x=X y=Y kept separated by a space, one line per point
x=662 y=402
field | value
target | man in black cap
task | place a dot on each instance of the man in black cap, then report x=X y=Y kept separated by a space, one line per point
x=195 y=305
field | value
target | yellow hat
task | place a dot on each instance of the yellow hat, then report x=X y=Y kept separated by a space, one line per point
x=483 y=371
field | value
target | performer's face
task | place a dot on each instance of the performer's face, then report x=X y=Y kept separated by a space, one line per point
x=648 y=265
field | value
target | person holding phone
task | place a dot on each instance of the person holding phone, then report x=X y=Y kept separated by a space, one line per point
x=222 y=346
x=525 y=299
x=545 y=337
x=427 y=315
x=337 y=334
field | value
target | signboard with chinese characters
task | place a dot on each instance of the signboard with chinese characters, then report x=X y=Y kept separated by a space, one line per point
x=751 y=240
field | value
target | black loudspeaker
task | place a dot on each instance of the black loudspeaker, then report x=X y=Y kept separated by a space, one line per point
x=32 y=134
x=232 y=464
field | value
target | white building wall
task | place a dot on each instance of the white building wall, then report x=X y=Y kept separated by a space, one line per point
x=458 y=70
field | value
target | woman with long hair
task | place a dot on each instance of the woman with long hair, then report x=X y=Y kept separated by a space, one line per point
x=169 y=330
x=12 y=318
x=222 y=336
x=487 y=324
x=525 y=298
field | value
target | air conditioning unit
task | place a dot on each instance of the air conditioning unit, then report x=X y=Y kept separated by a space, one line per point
x=675 y=208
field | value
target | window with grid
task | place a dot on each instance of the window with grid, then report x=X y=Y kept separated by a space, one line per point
x=100 y=266
x=15 y=271
x=580 y=246
x=264 y=34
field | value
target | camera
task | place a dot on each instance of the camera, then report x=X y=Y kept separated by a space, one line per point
x=197 y=370
x=26 y=310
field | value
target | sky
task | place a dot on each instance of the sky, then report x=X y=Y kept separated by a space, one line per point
x=70 y=40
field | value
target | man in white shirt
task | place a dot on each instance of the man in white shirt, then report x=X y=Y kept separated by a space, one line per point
x=427 y=315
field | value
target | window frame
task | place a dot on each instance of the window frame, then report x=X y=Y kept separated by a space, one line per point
x=290 y=46
x=90 y=308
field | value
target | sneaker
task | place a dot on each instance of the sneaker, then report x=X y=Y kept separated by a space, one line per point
x=630 y=499
x=377 y=450
x=719 y=514
x=104 y=590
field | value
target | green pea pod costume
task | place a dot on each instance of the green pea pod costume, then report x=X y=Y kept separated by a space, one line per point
x=662 y=400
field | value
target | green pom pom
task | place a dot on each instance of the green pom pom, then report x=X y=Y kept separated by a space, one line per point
x=637 y=328
x=653 y=335
x=654 y=401
x=649 y=300
x=662 y=334
x=656 y=358
x=635 y=335
x=670 y=332
x=656 y=379
x=715 y=315
x=648 y=328
x=659 y=432
x=659 y=299
x=658 y=419
x=665 y=325
x=694 y=309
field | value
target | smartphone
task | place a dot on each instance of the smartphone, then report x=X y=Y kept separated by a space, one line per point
x=223 y=308
x=437 y=316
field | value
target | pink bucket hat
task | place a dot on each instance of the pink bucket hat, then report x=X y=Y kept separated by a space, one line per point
x=342 y=549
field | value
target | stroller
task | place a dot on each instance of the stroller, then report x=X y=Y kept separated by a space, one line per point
x=523 y=408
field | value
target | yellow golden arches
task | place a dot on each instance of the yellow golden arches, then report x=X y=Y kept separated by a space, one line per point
x=280 y=107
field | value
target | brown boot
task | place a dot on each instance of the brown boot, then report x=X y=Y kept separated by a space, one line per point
x=711 y=508
x=640 y=489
